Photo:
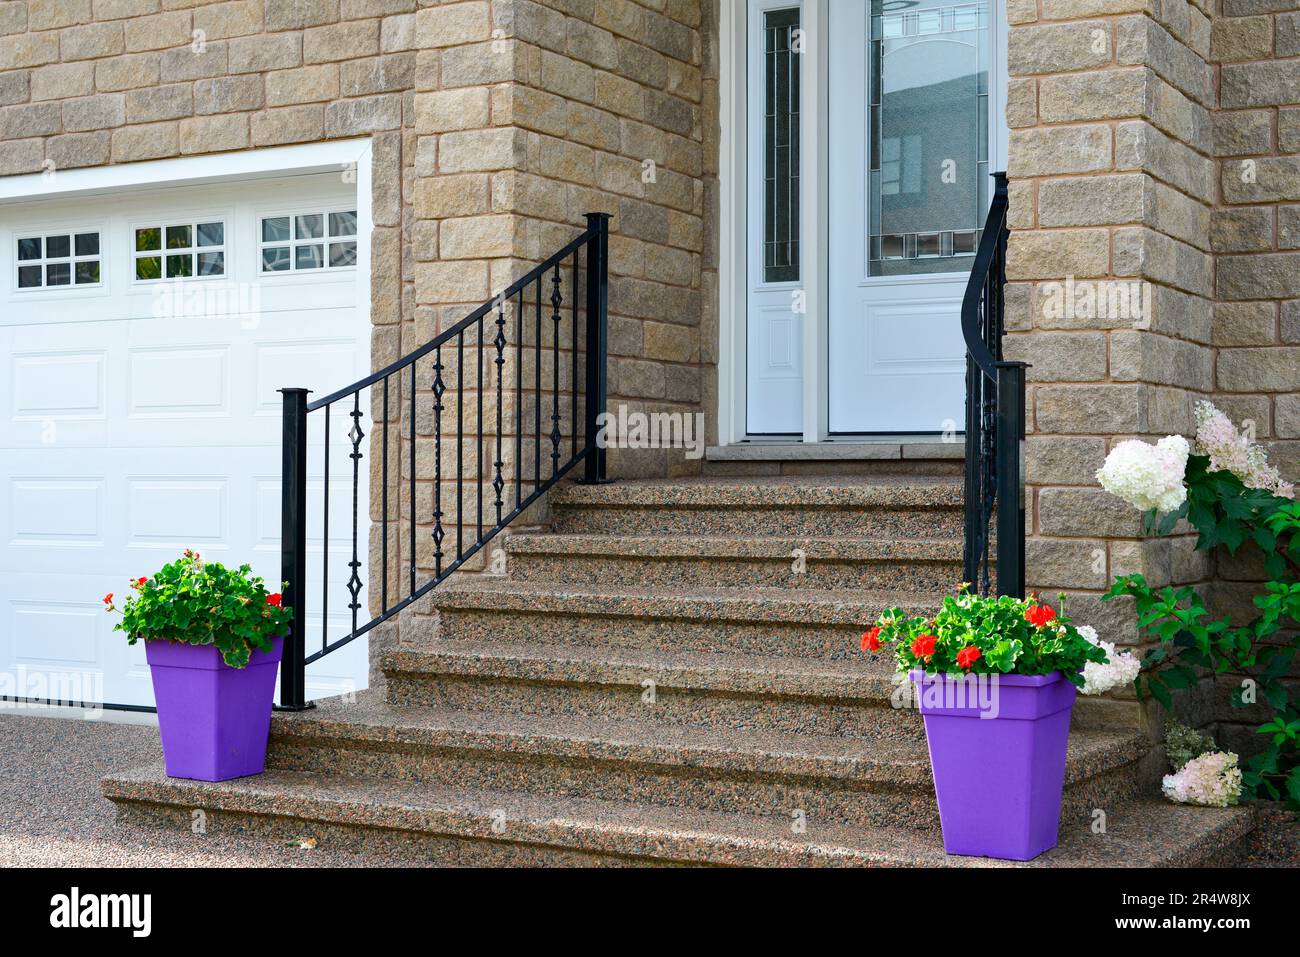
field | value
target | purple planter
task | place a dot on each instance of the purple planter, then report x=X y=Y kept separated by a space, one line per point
x=214 y=719
x=998 y=778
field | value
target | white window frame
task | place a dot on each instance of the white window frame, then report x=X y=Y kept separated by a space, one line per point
x=71 y=259
x=293 y=242
x=193 y=222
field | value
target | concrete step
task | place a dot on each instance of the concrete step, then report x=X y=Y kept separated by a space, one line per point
x=825 y=625
x=742 y=692
x=855 y=781
x=718 y=561
x=458 y=824
x=885 y=508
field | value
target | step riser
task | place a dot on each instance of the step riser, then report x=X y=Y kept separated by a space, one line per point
x=932 y=468
x=914 y=576
x=758 y=522
x=829 y=801
x=786 y=639
x=677 y=706
x=407 y=846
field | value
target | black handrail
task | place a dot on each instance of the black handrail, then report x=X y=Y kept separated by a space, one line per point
x=540 y=291
x=995 y=418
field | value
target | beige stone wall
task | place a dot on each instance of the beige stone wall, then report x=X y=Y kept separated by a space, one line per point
x=496 y=125
x=1256 y=240
x=1112 y=172
x=1169 y=154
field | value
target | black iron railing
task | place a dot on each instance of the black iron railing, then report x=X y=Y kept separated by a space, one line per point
x=550 y=328
x=995 y=420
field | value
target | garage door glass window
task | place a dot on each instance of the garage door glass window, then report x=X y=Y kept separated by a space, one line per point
x=180 y=251
x=55 y=260
x=324 y=240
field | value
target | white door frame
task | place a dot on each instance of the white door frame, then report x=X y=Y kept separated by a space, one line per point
x=814 y=202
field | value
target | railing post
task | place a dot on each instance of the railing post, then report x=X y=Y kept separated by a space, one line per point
x=1011 y=478
x=293 y=547
x=971 y=511
x=597 y=339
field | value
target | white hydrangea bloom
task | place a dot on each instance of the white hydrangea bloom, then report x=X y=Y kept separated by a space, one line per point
x=1120 y=668
x=1148 y=476
x=1232 y=451
x=1212 y=780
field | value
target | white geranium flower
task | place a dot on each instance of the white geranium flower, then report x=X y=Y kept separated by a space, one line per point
x=1148 y=476
x=1120 y=668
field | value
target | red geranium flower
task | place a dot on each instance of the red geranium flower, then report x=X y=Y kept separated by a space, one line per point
x=138 y=582
x=923 y=646
x=274 y=599
x=871 y=640
x=968 y=656
x=1040 y=616
x=108 y=599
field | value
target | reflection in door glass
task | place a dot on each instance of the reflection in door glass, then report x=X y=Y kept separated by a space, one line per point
x=928 y=149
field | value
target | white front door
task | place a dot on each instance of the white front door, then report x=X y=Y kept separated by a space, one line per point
x=871 y=129
x=143 y=341
x=909 y=181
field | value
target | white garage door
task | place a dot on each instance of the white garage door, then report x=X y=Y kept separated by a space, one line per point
x=144 y=338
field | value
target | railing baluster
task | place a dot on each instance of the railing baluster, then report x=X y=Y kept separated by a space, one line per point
x=519 y=407
x=537 y=405
x=325 y=549
x=556 y=301
x=356 y=435
x=460 y=444
x=573 y=355
x=498 y=483
x=438 y=389
x=411 y=494
x=478 y=459
x=383 y=529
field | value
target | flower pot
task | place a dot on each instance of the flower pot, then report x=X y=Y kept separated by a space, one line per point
x=214 y=719
x=999 y=770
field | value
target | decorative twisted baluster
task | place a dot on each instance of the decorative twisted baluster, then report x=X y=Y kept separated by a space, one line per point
x=499 y=483
x=356 y=434
x=556 y=300
x=439 y=388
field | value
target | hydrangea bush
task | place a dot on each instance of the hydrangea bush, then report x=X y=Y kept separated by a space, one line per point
x=1120 y=668
x=1234 y=498
x=204 y=603
x=1210 y=780
x=972 y=634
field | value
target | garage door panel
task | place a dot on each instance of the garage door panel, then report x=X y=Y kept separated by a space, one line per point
x=136 y=421
x=179 y=382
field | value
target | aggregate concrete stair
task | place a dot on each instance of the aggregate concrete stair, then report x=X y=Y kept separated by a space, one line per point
x=715 y=561
x=883 y=508
x=465 y=826
x=806 y=623
x=855 y=781
x=848 y=698
x=654 y=682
